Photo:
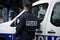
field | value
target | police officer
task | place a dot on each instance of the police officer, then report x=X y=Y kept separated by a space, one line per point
x=25 y=29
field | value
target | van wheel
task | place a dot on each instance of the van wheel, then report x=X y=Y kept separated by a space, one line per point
x=3 y=38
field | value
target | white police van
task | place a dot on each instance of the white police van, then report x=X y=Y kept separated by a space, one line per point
x=49 y=16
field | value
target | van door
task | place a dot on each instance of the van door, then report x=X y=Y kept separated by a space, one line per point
x=53 y=21
x=40 y=11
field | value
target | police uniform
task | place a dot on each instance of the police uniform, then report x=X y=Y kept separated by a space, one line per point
x=25 y=29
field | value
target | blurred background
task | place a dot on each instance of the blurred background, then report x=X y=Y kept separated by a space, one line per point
x=11 y=8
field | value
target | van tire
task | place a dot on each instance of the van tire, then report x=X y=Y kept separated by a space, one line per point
x=2 y=38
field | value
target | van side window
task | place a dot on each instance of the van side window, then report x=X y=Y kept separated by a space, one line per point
x=55 y=18
x=40 y=11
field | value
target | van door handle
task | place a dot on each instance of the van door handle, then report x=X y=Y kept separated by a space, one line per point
x=39 y=31
x=50 y=32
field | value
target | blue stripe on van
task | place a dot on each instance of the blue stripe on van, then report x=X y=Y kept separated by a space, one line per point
x=8 y=36
x=37 y=37
x=47 y=37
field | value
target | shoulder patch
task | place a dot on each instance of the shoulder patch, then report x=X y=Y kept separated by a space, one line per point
x=18 y=20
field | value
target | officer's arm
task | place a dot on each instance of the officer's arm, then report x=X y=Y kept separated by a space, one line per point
x=20 y=26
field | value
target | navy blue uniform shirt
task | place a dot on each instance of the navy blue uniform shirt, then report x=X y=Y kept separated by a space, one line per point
x=23 y=30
